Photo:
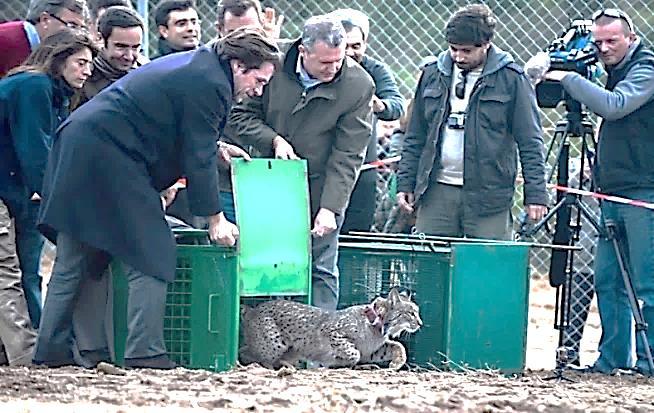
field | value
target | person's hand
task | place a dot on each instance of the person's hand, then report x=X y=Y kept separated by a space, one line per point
x=222 y=231
x=324 y=223
x=169 y=195
x=405 y=201
x=283 y=149
x=537 y=66
x=556 y=75
x=377 y=104
x=536 y=212
x=272 y=26
x=227 y=151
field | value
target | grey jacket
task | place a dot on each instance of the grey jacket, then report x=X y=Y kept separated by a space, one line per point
x=502 y=120
x=633 y=92
x=625 y=154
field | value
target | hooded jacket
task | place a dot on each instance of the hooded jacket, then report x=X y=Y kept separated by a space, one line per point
x=501 y=121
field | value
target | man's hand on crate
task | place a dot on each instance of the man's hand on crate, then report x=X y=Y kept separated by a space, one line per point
x=222 y=231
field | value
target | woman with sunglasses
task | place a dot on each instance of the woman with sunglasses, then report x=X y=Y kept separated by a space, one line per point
x=34 y=100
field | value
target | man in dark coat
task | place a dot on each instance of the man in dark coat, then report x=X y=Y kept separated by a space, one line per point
x=109 y=162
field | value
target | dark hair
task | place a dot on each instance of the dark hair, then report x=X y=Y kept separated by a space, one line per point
x=53 y=51
x=166 y=6
x=118 y=16
x=52 y=7
x=96 y=5
x=473 y=24
x=250 y=46
x=237 y=8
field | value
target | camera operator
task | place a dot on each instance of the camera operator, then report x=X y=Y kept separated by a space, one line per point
x=624 y=167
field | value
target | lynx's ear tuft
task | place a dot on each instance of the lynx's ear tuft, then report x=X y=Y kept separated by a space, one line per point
x=394 y=296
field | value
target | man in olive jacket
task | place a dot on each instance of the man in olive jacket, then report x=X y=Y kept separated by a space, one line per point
x=474 y=111
x=317 y=108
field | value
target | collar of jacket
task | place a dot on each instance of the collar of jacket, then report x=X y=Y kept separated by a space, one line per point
x=164 y=48
x=227 y=68
x=290 y=64
x=61 y=92
x=630 y=54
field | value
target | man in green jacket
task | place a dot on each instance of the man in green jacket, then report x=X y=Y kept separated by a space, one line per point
x=317 y=108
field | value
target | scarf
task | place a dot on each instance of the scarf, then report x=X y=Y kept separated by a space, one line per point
x=106 y=69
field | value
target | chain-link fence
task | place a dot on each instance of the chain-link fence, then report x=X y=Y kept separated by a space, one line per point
x=404 y=32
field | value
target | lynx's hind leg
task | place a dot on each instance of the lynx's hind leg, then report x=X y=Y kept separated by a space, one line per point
x=265 y=344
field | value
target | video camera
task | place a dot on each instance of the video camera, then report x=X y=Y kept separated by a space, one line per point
x=574 y=51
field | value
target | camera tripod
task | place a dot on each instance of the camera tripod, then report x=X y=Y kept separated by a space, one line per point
x=567 y=231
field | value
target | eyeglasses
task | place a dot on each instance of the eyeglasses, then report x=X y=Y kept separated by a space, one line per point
x=70 y=25
x=460 y=88
x=616 y=14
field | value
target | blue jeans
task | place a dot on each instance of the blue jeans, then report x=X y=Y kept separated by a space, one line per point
x=29 y=244
x=635 y=232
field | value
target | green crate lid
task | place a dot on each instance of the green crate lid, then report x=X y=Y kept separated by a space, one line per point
x=271 y=198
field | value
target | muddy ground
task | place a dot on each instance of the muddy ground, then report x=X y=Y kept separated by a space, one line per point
x=254 y=389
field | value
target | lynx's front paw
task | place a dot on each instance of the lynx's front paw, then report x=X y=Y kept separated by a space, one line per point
x=399 y=355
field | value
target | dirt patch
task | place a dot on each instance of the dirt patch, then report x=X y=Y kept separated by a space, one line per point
x=256 y=389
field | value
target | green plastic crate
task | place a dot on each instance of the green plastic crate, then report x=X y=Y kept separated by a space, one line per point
x=271 y=199
x=473 y=297
x=202 y=307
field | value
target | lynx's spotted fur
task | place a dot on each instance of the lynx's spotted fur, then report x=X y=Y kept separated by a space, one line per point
x=284 y=332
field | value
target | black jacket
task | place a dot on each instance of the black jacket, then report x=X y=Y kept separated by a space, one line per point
x=502 y=120
x=115 y=153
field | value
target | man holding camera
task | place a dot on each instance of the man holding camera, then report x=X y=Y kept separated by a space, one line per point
x=473 y=106
x=624 y=167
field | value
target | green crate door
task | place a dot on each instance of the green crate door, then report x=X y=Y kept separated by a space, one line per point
x=272 y=210
x=488 y=304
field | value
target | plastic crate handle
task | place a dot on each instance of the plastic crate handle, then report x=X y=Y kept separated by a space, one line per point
x=210 y=317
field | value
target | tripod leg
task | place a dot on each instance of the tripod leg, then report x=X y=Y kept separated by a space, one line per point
x=641 y=325
x=581 y=296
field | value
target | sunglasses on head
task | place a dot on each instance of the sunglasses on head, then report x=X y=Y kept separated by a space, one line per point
x=616 y=14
